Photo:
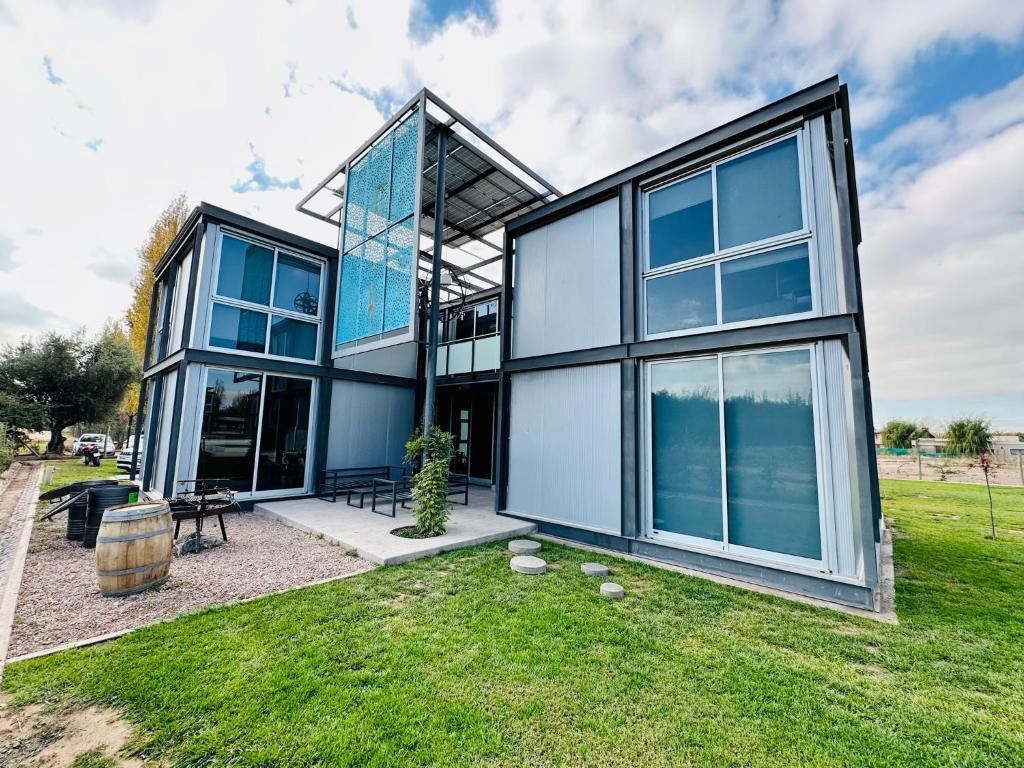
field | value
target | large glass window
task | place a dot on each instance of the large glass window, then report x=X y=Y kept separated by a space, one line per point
x=470 y=336
x=244 y=450
x=285 y=434
x=771 y=469
x=375 y=290
x=227 y=442
x=245 y=316
x=763 y=404
x=686 y=459
x=739 y=206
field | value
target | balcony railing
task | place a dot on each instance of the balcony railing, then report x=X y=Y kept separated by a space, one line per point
x=469 y=356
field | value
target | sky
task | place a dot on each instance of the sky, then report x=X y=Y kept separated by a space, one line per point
x=111 y=108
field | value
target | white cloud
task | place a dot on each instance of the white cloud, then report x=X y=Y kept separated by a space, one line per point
x=230 y=107
x=7 y=249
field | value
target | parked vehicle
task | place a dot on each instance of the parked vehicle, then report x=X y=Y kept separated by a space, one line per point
x=124 y=456
x=104 y=443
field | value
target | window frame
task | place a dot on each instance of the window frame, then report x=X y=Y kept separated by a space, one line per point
x=824 y=566
x=267 y=309
x=310 y=437
x=449 y=315
x=719 y=256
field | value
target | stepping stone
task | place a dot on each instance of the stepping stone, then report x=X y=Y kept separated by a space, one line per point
x=528 y=564
x=612 y=591
x=594 y=569
x=523 y=547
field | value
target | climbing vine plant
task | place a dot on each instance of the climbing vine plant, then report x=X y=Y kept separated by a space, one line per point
x=430 y=484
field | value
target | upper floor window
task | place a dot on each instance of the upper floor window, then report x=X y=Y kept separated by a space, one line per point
x=265 y=301
x=730 y=243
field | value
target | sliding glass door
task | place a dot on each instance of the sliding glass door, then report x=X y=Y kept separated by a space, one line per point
x=255 y=431
x=733 y=456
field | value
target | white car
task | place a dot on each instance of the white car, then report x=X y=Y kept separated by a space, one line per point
x=124 y=456
x=103 y=442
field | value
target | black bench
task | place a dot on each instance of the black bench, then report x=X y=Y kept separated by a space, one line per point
x=353 y=480
x=395 y=492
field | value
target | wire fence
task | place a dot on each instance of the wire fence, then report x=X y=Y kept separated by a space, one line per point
x=910 y=464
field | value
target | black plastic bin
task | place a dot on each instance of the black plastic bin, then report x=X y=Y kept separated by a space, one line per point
x=101 y=499
x=77 y=512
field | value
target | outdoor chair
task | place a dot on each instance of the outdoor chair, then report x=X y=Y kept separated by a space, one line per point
x=354 y=481
x=395 y=492
x=199 y=499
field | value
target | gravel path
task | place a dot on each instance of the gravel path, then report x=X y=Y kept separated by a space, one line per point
x=59 y=601
x=18 y=488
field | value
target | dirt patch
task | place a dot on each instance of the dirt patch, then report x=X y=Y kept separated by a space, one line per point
x=38 y=737
x=952 y=470
x=59 y=601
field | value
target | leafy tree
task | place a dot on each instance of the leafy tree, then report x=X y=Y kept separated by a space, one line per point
x=902 y=434
x=62 y=380
x=968 y=436
x=161 y=234
x=430 y=484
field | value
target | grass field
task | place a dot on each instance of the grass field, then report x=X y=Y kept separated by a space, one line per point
x=67 y=471
x=456 y=661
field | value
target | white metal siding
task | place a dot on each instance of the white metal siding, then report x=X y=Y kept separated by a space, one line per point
x=825 y=219
x=369 y=424
x=840 y=453
x=567 y=283
x=565 y=448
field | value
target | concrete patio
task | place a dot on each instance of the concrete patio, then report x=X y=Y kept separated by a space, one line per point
x=370 y=534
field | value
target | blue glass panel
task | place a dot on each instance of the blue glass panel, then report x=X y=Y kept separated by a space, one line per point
x=759 y=195
x=292 y=338
x=686 y=451
x=297 y=285
x=681 y=300
x=371 y=295
x=770 y=457
x=399 y=270
x=681 y=221
x=355 y=204
x=774 y=283
x=403 y=172
x=352 y=267
x=245 y=270
x=235 y=328
x=378 y=186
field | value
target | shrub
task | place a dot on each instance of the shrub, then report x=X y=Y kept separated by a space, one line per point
x=6 y=449
x=430 y=484
x=902 y=434
x=968 y=437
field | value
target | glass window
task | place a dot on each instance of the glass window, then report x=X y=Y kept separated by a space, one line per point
x=292 y=338
x=486 y=355
x=297 y=285
x=460 y=357
x=768 y=284
x=285 y=433
x=681 y=300
x=686 y=458
x=487 y=318
x=759 y=195
x=235 y=328
x=464 y=324
x=245 y=271
x=681 y=221
x=227 y=442
x=771 y=472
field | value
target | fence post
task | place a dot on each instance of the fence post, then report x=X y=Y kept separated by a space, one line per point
x=919 y=465
x=1020 y=466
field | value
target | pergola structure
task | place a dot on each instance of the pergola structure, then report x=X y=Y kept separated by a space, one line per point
x=484 y=185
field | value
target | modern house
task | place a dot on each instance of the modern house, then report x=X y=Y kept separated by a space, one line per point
x=668 y=362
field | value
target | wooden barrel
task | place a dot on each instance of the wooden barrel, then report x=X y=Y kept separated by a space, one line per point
x=133 y=548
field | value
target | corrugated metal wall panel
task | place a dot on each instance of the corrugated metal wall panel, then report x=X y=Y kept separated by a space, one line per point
x=565 y=449
x=847 y=543
x=826 y=219
x=369 y=424
x=567 y=284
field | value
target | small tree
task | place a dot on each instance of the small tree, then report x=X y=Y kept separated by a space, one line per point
x=902 y=434
x=68 y=378
x=986 y=463
x=430 y=484
x=968 y=437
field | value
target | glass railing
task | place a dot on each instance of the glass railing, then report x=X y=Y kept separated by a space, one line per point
x=469 y=356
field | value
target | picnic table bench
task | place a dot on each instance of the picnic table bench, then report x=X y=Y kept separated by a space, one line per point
x=356 y=481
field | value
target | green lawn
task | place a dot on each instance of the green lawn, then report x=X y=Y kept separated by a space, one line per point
x=456 y=661
x=72 y=470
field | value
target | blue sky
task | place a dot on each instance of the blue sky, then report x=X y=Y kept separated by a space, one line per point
x=115 y=107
